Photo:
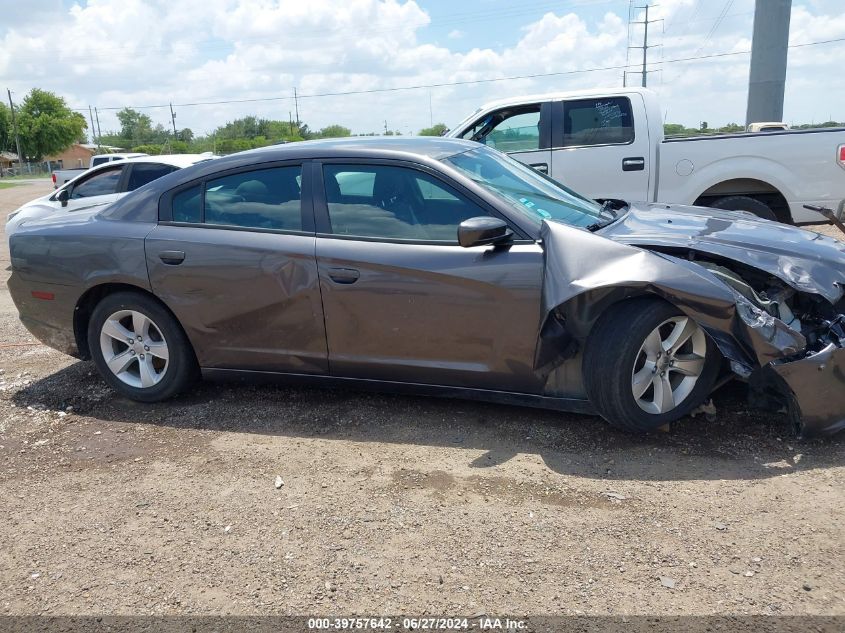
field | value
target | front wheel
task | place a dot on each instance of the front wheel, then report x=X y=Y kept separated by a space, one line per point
x=139 y=347
x=647 y=364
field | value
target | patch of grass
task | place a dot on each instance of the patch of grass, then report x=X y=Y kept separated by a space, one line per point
x=8 y=185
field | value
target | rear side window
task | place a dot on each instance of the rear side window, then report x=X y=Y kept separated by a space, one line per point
x=187 y=205
x=143 y=173
x=100 y=184
x=262 y=199
x=604 y=121
x=100 y=161
x=259 y=199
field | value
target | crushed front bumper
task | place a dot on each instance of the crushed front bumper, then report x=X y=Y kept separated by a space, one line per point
x=816 y=391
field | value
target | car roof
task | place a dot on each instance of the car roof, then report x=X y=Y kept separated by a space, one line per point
x=435 y=147
x=552 y=96
x=177 y=160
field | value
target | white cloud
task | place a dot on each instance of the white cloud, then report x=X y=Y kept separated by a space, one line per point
x=138 y=52
x=456 y=34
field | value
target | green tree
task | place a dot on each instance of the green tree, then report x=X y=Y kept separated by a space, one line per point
x=46 y=124
x=334 y=131
x=7 y=137
x=135 y=127
x=438 y=129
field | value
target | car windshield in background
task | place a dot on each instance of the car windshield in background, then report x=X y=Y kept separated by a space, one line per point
x=534 y=195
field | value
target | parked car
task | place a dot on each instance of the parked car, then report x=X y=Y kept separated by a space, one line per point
x=610 y=144
x=61 y=176
x=436 y=266
x=102 y=185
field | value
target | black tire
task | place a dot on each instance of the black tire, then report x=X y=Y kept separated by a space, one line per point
x=745 y=203
x=611 y=352
x=181 y=369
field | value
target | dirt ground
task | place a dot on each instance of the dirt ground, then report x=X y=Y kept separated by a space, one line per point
x=395 y=504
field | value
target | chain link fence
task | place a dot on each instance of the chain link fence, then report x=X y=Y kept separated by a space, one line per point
x=33 y=170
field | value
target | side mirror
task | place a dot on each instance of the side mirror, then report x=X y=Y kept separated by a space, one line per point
x=483 y=230
x=63 y=196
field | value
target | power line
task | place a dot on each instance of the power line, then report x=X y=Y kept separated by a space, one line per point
x=716 y=25
x=462 y=83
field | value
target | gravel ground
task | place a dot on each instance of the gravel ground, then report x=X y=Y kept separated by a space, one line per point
x=395 y=504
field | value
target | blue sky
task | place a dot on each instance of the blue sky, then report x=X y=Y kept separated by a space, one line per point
x=112 y=53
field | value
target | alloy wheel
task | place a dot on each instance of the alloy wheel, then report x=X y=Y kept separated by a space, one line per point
x=134 y=348
x=668 y=365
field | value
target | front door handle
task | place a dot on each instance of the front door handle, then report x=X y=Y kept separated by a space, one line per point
x=172 y=258
x=344 y=275
x=633 y=163
x=541 y=167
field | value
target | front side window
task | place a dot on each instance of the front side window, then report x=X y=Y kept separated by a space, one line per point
x=261 y=199
x=605 y=121
x=143 y=173
x=533 y=195
x=512 y=130
x=381 y=201
x=102 y=183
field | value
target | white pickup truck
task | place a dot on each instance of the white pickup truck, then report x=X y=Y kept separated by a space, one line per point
x=610 y=144
x=61 y=176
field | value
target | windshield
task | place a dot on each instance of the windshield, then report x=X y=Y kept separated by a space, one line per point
x=532 y=194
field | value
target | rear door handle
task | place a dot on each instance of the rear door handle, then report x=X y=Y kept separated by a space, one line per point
x=344 y=275
x=172 y=258
x=633 y=163
x=541 y=167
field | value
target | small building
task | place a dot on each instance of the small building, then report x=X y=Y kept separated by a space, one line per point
x=77 y=155
x=7 y=161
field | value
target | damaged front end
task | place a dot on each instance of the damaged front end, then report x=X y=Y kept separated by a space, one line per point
x=816 y=383
x=775 y=310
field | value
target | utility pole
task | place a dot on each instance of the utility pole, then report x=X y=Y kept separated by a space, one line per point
x=645 y=22
x=97 y=117
x=769 y=49
x=93 y=129
x=296 y=104
x=173 y=120
x=15 y=128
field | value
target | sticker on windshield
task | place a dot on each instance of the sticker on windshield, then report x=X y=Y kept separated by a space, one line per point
x=527 y=203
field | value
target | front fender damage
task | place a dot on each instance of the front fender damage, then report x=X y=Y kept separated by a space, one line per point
x=816 y=387
x=586 y=273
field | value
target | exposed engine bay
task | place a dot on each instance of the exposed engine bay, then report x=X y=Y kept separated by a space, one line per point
x=772 y=298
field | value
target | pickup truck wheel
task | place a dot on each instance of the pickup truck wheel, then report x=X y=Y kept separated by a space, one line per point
x=745 y=203
x=139 y=347
x=647 y=364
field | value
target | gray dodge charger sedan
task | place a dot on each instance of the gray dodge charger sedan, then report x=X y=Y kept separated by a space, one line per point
x=437 y=266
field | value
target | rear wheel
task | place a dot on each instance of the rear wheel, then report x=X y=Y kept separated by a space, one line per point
x=745 y=203
x=139 y=348
x=647 y=364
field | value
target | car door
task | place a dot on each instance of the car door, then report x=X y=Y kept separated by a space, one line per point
x=99 y=188
x=522 y=131
x=599 y=149
x=402 y=300
x=233 y=257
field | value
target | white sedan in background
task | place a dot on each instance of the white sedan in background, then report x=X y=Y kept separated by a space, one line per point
x=102 y=185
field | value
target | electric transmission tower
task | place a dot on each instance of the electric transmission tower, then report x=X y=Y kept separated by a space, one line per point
x=645 y=22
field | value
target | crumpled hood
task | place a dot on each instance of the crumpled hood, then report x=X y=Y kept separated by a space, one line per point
x=805 y=260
